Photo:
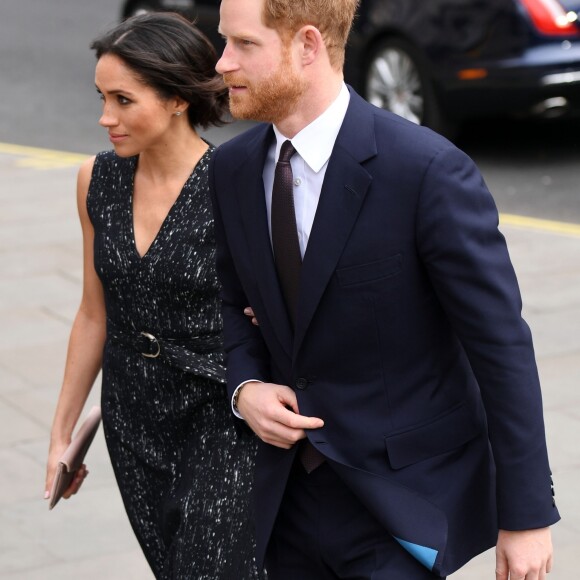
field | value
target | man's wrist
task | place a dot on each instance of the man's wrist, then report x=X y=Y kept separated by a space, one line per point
x=236 y=396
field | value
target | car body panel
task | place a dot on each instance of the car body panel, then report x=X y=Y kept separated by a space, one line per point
x=481 y=57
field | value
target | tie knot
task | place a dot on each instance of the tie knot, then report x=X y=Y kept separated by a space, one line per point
x=286 y=152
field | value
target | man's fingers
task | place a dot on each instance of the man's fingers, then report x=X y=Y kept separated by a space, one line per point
x=290 y=413
x=250 y=314
x=286 y=429
x=524 y=555
x=295 y=421
x=501 y=567
x=281 y=436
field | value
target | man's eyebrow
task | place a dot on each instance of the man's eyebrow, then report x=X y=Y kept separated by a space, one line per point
x=240 y=35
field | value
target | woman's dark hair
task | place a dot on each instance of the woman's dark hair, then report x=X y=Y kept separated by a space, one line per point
x=169 y=54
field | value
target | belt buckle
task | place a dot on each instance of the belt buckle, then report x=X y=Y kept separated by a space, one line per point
x=154 y=341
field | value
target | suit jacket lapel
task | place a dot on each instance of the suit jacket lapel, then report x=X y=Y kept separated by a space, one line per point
x=345 y=186
x=252 y=203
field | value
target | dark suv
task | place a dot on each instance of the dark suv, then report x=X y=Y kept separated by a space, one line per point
x=438 y=62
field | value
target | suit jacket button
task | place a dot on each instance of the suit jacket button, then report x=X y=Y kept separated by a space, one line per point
x=301 y=384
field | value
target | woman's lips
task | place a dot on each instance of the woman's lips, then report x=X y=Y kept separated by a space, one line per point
x=114 y=138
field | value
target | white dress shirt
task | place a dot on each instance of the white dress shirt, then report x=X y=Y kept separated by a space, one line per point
x=314 y=145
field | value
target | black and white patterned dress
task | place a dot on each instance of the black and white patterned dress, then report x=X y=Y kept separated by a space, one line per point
x=184 y=472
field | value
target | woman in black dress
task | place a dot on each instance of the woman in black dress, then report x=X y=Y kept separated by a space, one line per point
x=150 y=313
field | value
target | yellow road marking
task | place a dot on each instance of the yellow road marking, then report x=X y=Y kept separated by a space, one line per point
x=537 y=224
x=37 y=158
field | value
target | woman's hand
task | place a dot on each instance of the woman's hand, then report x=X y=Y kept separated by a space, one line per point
x=54 y=454
x=250 y=314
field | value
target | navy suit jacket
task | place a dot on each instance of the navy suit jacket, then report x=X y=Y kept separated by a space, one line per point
x=409 y=340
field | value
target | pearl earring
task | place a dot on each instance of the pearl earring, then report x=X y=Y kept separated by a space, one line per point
x=178 y=113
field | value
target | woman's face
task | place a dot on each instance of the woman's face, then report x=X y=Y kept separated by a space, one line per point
x=136 y=117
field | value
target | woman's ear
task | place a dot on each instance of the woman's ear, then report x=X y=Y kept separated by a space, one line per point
x=178 y=106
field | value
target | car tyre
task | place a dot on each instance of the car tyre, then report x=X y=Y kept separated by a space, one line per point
x=396 y=80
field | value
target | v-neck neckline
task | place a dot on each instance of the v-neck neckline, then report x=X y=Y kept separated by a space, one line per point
x=154 y=241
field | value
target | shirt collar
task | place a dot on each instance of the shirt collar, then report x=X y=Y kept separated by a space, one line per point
x=316 y=141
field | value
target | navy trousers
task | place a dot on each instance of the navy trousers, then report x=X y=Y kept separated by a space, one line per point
x=323 y=532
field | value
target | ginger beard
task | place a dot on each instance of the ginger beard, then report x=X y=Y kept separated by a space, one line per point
x=270 y=99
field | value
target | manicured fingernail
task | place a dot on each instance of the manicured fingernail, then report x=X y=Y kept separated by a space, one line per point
x=46 y=494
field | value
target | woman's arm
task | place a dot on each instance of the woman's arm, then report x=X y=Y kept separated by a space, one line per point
x=85 y=349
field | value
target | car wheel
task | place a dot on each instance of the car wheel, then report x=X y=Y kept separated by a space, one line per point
x=395 y=80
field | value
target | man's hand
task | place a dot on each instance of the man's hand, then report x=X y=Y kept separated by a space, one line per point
x=523 y=555
x=272 y=413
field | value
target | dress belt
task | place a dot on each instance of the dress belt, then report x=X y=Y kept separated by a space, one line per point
x=187 y=354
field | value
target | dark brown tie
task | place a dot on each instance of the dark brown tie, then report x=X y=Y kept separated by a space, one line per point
x=284 y=232
x=288 y=260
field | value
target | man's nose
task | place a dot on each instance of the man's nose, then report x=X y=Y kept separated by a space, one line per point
x=226 y=63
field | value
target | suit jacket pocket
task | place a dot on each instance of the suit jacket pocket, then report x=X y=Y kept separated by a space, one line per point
x=445 y=433
x=371 y=271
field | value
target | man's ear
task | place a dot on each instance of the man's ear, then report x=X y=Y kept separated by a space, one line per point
x=311 y=43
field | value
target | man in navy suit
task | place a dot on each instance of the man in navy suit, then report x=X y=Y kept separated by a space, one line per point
x=400 y=361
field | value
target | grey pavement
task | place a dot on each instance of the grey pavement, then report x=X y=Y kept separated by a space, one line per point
x=40 y=285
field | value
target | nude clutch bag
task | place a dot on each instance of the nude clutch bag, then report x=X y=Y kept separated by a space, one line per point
x=73 y=457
